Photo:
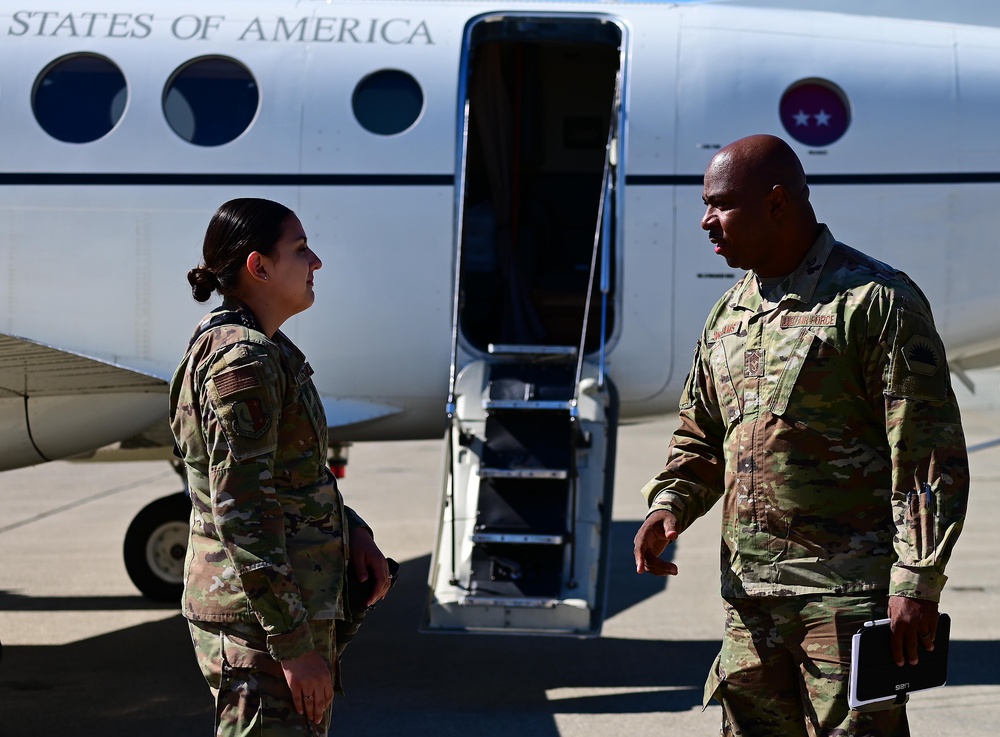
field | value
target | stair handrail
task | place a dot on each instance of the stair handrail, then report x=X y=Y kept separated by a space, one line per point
x=602 y=232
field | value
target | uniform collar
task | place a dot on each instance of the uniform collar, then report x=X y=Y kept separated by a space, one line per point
x=233 y=311
x=295 y=359
x=800 y=285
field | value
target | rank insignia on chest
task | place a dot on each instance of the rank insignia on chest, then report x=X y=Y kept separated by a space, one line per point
x=753 y=364
x=304 y=373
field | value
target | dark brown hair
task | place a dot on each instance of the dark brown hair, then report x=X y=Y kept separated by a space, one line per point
x=237 y=229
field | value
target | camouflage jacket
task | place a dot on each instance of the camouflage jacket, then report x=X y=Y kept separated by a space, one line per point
x=824 y=419
x=267 y=536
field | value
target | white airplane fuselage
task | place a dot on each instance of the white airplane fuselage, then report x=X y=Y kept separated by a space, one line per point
x=96 y=238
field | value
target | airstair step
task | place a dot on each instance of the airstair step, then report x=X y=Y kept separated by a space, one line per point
x=512 y=602
x=502 y=349
x=526 y=404
x=517 y=538
x=523 y=473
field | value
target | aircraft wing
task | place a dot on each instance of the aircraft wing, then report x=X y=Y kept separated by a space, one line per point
x=55 y=403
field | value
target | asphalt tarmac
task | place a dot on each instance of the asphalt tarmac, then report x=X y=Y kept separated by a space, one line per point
x=84 y=654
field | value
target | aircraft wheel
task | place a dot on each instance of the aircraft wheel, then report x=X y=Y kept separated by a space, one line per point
x=155 y=546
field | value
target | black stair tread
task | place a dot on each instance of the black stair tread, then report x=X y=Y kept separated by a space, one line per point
x=516 y=440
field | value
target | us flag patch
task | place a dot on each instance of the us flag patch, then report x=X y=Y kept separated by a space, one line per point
x=235 y=380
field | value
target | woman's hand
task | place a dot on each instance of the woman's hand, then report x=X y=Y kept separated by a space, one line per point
x=367 y=560
x=308 y=676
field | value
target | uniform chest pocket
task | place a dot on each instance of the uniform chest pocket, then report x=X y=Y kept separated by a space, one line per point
x=301 y=451
x=722 y=375
x=310 y=400
x=816 y=386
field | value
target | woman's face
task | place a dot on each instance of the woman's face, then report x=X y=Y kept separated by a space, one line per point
x=290 y=270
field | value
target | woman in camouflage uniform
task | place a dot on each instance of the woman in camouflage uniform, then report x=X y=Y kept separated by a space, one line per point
x=267 y=549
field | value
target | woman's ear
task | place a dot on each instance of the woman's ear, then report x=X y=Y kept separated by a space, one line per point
x=256 y=267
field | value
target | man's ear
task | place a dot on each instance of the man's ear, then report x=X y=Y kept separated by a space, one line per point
x=256 y=267
x=777 y=201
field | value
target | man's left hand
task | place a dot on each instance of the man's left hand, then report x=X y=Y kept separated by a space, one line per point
x=912 y=621
x=367 y=560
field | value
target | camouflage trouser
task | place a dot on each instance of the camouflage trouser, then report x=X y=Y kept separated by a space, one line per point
x=251 y=694
x=784 y=668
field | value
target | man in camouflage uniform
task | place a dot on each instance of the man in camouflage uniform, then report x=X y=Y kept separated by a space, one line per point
x=819 y=410
x=266 y=555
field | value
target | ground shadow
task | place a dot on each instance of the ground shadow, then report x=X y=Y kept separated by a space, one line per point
x=11 y=602
x=138 y=681
x=495 y=685
x=143 y=680
x=626 y=588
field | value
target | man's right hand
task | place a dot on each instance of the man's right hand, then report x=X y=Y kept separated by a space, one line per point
x=309 y=678
x=656 y=533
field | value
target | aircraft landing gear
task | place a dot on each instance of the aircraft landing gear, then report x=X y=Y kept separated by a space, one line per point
x=155 y=546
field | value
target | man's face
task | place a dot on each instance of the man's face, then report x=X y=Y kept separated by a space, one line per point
x=737 y=217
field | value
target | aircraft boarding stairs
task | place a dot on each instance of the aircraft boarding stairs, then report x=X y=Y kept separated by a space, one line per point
x=526 y=509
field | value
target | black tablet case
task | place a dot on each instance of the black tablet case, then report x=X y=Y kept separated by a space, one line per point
x=874 y=677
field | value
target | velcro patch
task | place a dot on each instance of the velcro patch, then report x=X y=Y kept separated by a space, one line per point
x=917 y=366
x=753 y=364
x=304 y=373
x=727 y=330
x=807 y=320
x=249 y=418
x=235 y=380
x=921 y=355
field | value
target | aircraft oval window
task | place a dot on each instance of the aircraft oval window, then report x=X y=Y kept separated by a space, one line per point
x=79 y=98
x=815 y=112
x=211 y=101
x=387 y=102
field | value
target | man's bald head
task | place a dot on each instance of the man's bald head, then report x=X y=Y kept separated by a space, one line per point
x=759 y=163
x=758 y=214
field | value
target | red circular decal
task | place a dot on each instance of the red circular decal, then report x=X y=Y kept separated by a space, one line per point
x=815 y=112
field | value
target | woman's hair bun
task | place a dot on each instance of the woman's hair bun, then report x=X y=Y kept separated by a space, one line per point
x=203 y=282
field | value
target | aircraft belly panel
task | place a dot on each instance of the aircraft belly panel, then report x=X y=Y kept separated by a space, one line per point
x=18 y=450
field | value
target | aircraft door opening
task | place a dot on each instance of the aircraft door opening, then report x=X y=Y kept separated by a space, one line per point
x=525 y=514
x=540 y=101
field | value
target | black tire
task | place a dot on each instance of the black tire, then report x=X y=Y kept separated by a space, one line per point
x=155 y=546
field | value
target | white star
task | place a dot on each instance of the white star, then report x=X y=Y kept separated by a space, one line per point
x=801 y=118
x=822 y=118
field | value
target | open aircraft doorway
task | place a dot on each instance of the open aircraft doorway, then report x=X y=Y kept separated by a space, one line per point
x=526 y=505
x=541 y=96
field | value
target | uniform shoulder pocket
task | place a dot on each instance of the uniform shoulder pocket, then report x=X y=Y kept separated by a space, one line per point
x=917 y=365
x=243 y=397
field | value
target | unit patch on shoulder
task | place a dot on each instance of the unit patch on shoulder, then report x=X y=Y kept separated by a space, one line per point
x=235 y=380
x=921 y=355
x=249 y=418
x=917 y=366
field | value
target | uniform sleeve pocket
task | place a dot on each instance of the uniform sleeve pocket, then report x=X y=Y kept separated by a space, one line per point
x=244 y=411
x=917 y=366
